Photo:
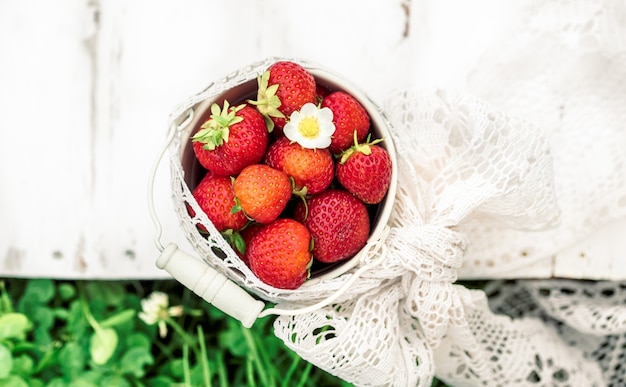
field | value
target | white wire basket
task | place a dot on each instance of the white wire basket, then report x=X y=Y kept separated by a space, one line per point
x=327 y=281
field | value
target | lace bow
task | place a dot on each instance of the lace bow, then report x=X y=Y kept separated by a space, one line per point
x=460 y=161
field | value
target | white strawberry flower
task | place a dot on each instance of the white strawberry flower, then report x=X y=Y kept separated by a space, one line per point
x=311 y=127
x=156 y=310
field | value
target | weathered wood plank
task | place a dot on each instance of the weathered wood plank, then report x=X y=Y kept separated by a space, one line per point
x=101 y=78
x=46 y=100
x=87 y=87
x=596 y=257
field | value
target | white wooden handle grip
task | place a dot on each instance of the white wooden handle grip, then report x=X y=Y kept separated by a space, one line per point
x=210 y=285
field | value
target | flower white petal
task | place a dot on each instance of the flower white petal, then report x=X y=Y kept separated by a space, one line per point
x=290 y=130
x=148 y=318
x=309 y=109
x=325 y=115
x=315 y=143
x=311 y=127
x=306 y=143
x=318 y=143
x=296 y=116
x=175 y=311
x=155 y=308
x=162 y=329
x=156 y=299
x=327 y=129
x=151 y=307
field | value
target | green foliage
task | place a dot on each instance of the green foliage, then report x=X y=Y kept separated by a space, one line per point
x=85 y=334
x=90 y=334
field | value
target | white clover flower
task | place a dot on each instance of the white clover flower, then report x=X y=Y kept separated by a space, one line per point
x=311 y=127
x=156 y=310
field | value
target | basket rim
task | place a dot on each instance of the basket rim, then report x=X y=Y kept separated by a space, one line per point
x=188 y=116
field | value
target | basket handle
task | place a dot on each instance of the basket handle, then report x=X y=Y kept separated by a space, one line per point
x=193 y=273
x=210 y=285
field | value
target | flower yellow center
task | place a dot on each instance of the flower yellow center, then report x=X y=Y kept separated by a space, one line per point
x=309 y=127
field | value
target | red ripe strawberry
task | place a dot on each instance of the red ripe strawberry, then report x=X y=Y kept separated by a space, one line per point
x=310 y=168
x=338 y=222
x=365 y=171
x=231 y=139
x=279 y=254
x=283 y=89
x=262 y=192
x=216 y=198
x=348 y=116
x=321 y=92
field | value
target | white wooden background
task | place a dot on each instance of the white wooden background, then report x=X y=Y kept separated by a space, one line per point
x=86 y=87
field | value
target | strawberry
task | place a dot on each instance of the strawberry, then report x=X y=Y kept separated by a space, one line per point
x=283 y=89
x=338 y=222
x=216 y=198
x=348 y=116
x=246 y=235
x=321 y=92
x=312 y=170
x=231 y=139
x=279 y=253
x=365 y=171
x=262 y=192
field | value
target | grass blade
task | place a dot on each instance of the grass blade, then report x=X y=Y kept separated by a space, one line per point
x=206 y=370
x=305 y=374
x=186 y=371
x=256 y=358
x=292 y=368
x=221 y=370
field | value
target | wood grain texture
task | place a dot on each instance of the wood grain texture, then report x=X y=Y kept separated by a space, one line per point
x=87 y=87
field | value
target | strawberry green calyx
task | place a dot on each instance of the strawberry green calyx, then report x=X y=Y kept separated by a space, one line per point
x=214 y=132
x=267 y=101
x=235 y=239
x=364 y=148
x=238 y=208
x=301 y=194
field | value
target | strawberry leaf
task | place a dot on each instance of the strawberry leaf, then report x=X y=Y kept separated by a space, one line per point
x=235 y=239
x=211 y=136
x=238 y=242
x=364 y=148
x=269 y=123
x=102 y=345
x=267 y=101
x=236 y=208
x=215 y=131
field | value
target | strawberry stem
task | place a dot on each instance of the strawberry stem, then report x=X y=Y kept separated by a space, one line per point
x=300 y=193
x=267 y=101
x=235 y=239
x=215 y=131
x=364 y=148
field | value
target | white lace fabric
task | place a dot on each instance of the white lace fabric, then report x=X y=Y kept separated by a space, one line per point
x=461 y=162
x=487 y=189
x=532 y=159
